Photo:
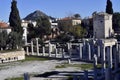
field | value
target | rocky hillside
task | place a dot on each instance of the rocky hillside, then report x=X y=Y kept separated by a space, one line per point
x=33 y=16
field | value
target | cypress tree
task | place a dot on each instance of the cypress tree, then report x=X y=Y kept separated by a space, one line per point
x=15 y=23
x=14 y=18
x=109 y=8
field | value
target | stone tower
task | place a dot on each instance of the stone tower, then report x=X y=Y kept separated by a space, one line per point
x=102 y=25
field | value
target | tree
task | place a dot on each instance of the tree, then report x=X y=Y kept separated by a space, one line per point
x=77 y=31
x=44 y=26
x=77 y=16
x=14 y=18
x=15 y=23
x=116 y=22
x=109 y=8
x=31 y=32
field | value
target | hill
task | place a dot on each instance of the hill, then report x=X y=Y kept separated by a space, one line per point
x=33 y=16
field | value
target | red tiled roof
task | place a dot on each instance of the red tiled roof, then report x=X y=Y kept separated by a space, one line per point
x=4 y=25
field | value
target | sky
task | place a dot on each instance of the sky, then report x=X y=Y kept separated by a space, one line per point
x=56 y=8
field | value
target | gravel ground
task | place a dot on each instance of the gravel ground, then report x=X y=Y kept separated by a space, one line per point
x=16 y=69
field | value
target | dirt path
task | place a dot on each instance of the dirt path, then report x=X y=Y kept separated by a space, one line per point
x=16 y=69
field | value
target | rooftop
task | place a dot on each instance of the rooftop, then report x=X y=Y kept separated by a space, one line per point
x=4 y=25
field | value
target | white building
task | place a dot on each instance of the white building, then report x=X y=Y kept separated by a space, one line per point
x=54 y=23
x=102 y=25
x=5 y=27
x=24 y=24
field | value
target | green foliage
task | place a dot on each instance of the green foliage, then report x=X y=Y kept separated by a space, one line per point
x=3 y=39
x=78 y=31
x=15 y=40
x=77 y=16
x=15 y=37
x=12 y=40
x=43 y=28
x=109 y=8
x=116 y=22
x=32 y=58
x=31 y=32
x=14 y=18
x=18 y=78
x=65 y=26
x=63 y=38
x=44 y=25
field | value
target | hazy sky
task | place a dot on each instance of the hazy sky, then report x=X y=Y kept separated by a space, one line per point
x=56 y=8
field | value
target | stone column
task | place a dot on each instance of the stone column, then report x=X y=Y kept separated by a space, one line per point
x=37 y=45
x=27 y=51
x=98 y=47
x=50 y=49
x=32 y=50
x=108 y=75
x=56 y=52
x=84 y=48
x=80 y=50
x=63 y=53
x=85 y=74
x=95 y=66
x=103 y=57
x=70 y=52
x=68 y=44
x=43 y=50
x=110 y=64
x=119 y=51
x=89 y=52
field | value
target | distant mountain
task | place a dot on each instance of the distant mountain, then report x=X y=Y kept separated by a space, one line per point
x=33 y=16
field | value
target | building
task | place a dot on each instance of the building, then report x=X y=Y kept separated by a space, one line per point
x=102 y=25
x=24 y=24
x=70 y=21
x=5 y=27
x=53 y=22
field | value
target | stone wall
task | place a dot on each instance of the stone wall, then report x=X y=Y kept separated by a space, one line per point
x=12 y=56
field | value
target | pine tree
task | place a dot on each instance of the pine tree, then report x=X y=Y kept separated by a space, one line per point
x=14 y=18
x=109 y=8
